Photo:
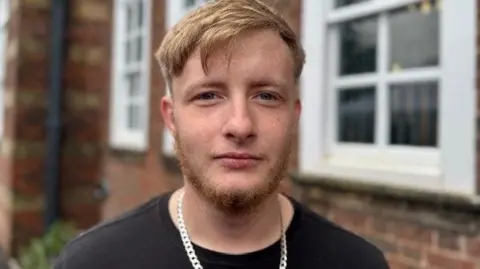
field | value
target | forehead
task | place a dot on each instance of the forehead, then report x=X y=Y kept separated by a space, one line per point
x=254 y=54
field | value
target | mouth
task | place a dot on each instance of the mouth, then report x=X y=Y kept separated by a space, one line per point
x=236 y=160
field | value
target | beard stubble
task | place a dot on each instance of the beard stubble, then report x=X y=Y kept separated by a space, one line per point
x=233 y=202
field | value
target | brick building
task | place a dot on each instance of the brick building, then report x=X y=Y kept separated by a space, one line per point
x=386 y=148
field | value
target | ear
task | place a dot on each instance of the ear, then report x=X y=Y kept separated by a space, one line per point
x=166 y=109
x=297 y=110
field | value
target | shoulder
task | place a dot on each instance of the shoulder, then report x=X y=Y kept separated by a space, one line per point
x=332 y=244
x=104 y=244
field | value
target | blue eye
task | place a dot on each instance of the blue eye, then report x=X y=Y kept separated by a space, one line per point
x=206 y=96
x=267 y=96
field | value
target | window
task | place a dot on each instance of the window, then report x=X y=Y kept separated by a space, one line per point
x=176 y=9
x=389 y=92
x=4 y=16
x=131 y=74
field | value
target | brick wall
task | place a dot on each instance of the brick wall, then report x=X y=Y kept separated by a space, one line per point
x=414 y=230
x=24 y=148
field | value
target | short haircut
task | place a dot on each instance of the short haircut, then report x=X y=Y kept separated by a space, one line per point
x=217 y=23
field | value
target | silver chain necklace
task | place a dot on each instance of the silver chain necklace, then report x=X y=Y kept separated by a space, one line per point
x=187 y=244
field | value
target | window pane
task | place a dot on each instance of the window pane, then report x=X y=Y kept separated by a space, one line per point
x=133 y=82
x=140 y=13
x=414 y=37
x=128 y=49
x=138 y=51
x=342 y=3
x=188 y=3
x=129 y=18
x=414 y=114
x=133 y=117
x=358 y=46
x=356 y=115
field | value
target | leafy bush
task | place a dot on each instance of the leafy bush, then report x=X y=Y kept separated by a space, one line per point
x=41 y=252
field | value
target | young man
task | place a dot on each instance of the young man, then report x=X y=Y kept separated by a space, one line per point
x=232 y=67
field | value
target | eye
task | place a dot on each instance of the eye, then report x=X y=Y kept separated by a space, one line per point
x=266 y=96
x=206 y=96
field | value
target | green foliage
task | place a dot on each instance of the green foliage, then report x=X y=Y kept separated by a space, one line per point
x=40 y=253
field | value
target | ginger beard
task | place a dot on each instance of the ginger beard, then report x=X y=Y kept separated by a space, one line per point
x=233 y=202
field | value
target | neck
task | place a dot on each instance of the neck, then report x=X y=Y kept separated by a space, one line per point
x=216 y=230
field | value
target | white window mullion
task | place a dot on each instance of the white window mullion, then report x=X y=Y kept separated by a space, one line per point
x=332 y=87
x=415 y=75
x=365 y=9
x=353 y=81
x=382 y=102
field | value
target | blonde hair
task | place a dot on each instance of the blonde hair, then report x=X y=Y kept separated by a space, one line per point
x=220 y=22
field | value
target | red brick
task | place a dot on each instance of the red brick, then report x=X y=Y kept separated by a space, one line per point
x=412 y=233
x=380 y=225
x=449 y=240
x=28 y=176
x=36 y=22
x=28 y=223
x=81 y=33
x=399 y=264
x=444 y=262
x=30 y=123
x=87 y=78
x=350 y=219
x=473 y=247
x=80 y=126
x=412 y=253
x=77 y=172
x=82 y=215
x=33 y=75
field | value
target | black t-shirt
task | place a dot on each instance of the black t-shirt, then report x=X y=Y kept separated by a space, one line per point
x=147 y=238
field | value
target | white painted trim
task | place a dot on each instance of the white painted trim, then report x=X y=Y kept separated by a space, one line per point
x=450 y=169
x=365 y=9
x=119 y=136
x=457 y=117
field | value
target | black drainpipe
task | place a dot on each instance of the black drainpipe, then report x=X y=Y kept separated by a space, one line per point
x=54 y=101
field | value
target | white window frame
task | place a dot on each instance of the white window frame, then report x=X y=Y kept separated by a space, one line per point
x=450 y=167
x=121 y=136
x=175 y=11
x=4 y=19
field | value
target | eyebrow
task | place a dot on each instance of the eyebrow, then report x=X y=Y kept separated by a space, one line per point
x=203 y=84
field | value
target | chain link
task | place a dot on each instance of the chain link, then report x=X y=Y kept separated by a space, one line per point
x=187 y=243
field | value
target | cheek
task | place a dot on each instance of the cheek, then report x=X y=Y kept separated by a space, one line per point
x=195 y=132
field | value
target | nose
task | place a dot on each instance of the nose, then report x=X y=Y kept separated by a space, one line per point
x=239 y=126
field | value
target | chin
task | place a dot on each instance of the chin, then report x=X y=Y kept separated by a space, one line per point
x=240 y=183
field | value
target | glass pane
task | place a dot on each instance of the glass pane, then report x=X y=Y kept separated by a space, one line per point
x=129 y=18
x=342 y=3
x=133 y=117
x=188 y=3
x=358 y=46
x=140 y=13
x=139 y=47
x=414 y=37
x=414 y=114
x=128 y=49
x=356 y=115
x=133 y=82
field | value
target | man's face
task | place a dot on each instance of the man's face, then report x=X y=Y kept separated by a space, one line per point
x=233 y=126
